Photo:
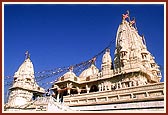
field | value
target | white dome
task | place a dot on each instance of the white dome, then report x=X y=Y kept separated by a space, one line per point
x=89 y=72
x=69 y=74
x=106 y=57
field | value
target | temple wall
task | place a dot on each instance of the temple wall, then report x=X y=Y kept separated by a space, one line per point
x=125 y=107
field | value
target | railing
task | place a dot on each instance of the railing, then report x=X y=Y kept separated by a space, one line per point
x=152 y=91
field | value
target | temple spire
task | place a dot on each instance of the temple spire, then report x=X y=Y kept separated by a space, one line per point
x=24 y=87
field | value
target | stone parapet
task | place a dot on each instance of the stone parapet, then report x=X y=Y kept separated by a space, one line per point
x=138 y=93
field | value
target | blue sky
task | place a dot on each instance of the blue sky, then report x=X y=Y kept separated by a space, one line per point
x=63 y=35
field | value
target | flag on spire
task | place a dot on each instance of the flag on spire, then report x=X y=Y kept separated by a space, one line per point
x=93 y=60
x=124 y=16
x=132 y=22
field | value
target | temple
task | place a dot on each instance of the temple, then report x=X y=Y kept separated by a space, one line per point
x=24 y=87
x=130 y=81
x=134 y=77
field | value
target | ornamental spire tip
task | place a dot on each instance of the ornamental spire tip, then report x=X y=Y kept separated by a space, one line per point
x=27 y=55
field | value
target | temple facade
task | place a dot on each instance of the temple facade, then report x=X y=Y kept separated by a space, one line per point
x=134 y=77
x=130 y=81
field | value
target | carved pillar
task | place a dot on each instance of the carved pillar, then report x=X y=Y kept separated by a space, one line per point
x=87 y=89
x=109 y=87
x=102 y=86
x=68 y=91
x=130 y=84
x=105 y=87
x=99 y=87
x=134 y=83
x=124 y=86
x=58 y=95
x=120 y=84
x=116 y=85
x=138 y=82
x=79 y=90
x=69 y=86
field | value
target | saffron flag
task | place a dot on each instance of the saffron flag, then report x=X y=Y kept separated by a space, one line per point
x=133 y=21
x=93 y=60
x=125 y=16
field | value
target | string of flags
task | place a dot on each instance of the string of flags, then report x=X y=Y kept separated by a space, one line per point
x=49 y=73
x=57 y=71
x=42 y=75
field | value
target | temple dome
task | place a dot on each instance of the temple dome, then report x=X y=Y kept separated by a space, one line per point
x=69 y=74
x=106 y=57
x=89 y=72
